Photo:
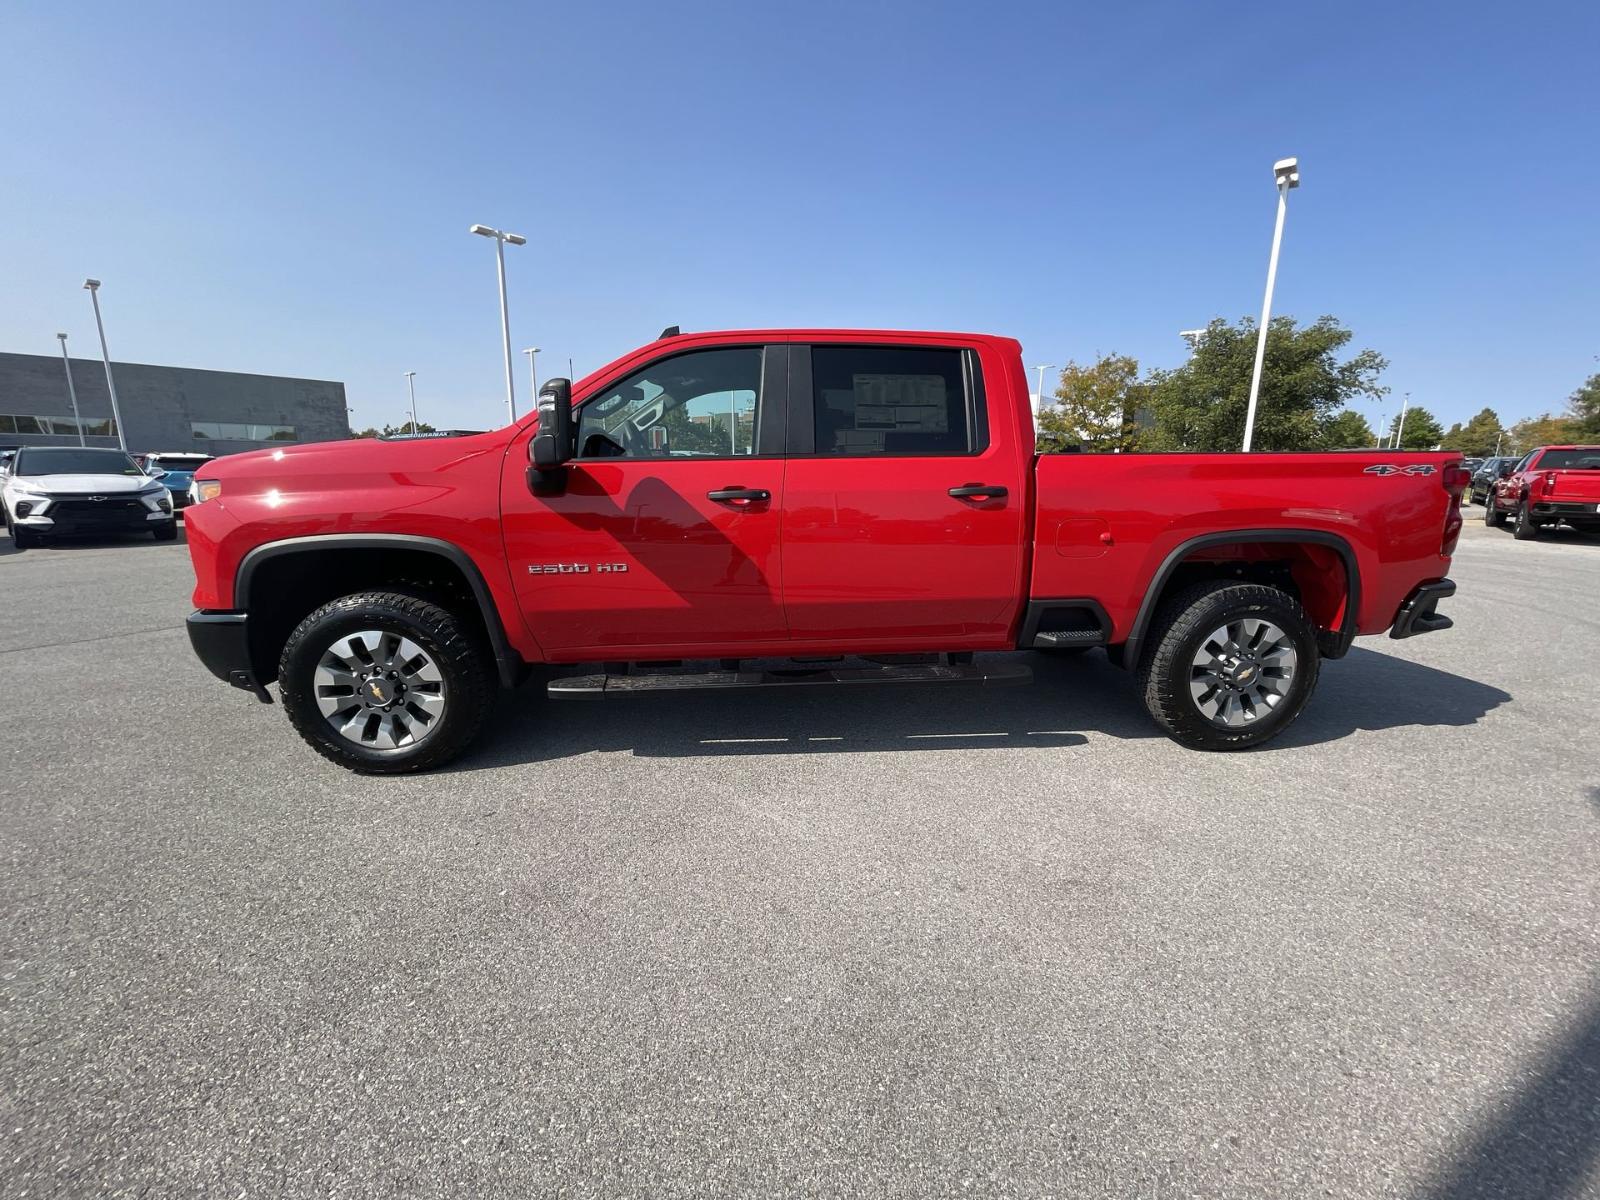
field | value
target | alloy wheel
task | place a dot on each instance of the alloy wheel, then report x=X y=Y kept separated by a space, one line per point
x=1242 y=671
x=379 y=689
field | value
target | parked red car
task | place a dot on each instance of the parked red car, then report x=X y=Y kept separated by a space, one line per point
x=1548 y=486
x=865 y=506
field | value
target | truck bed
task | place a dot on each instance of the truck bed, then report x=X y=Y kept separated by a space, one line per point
x=1109 y=525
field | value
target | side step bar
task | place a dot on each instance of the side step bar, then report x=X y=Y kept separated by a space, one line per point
x=1005 y=675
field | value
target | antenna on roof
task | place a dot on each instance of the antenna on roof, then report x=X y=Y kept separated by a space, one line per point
x=669 y=332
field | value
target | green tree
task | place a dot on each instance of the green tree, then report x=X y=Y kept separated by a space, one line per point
x=1094 y=407
x=1347 y=430
x=1583 y=409
x=1477 y=437
x=368 y=432
x=1546 y=429
x=1422 y=431
x=1201 y=405
x=407 y=427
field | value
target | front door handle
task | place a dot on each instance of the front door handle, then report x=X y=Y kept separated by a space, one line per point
x=978 y=491
x=739 y=495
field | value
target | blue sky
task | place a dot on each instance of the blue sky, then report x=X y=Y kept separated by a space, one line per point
x=286 y=187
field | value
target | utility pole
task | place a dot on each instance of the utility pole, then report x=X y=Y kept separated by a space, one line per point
x=501 y=237
x=72 y=392
x=1287 y=172
x=93 y=288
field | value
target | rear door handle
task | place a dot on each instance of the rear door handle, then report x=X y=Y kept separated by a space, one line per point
x=978 y=491
x=739 y=495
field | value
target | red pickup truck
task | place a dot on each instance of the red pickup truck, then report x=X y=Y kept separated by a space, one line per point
x=1546 y=487
x=789 y=508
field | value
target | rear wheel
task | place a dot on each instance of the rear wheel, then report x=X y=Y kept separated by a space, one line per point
x=1524 y=530
x=1232 y=665
x=386 y=683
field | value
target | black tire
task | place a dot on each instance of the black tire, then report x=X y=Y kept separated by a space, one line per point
x=21 y=539
x=1524 y=530
x=1179 y=633
x=1492 y=517
x=464 y=662
x=166 y=533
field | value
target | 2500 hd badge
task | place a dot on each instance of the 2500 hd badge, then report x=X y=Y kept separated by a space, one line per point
x=605 y=568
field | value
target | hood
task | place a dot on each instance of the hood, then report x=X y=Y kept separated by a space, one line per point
x=335 y=458
x=89 y=485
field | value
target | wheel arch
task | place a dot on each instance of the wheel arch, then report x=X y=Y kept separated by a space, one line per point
x=1333 y=643
x=344 y=562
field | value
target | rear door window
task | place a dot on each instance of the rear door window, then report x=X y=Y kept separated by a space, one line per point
x=891 y=400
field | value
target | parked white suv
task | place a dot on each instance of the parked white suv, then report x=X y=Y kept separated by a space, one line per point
x=54 y=490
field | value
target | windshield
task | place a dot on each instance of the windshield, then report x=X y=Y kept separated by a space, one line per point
x=68 y=460
x=1585 y=458
x=186 y=462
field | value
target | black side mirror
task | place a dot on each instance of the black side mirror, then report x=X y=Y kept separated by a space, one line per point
x=552 y=445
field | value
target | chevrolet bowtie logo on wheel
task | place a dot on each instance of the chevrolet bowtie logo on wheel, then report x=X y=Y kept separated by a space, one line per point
x=1388 y=469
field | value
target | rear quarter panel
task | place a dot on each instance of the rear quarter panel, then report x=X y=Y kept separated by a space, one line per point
x=1108 y=522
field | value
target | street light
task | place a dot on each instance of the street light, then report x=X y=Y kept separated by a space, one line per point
x=1192 y=336
x=533 y=370
x=1286 y=171
x=1041 y=368
x=501 y=237
x=72 y=392
x=93 y=286
x=411 y=382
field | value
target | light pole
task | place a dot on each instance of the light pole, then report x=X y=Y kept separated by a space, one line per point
x=501 y=237
x=1287 y=173
x=411 y=382
x=72 y=392
x=533 y=370
x=1400 y=426
x=1041 y=368
x=93 y=286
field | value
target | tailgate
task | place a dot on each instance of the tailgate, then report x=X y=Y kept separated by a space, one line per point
x=1571 y=487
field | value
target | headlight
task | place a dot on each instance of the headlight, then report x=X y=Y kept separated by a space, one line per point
x=204 y=489
x=24 y=488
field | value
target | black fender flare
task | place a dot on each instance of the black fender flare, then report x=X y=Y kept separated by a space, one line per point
x=1332 y=645
x=509 y=665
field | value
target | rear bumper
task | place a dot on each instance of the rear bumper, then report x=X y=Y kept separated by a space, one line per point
x=1417 y=614
x=221 y=640
x=1580 y=509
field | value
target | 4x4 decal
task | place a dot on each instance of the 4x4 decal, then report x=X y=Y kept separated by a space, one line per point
x=1388 y=469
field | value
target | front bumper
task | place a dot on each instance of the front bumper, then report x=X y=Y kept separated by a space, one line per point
x=221 y=640
x=88 y=514
x=1417 y=614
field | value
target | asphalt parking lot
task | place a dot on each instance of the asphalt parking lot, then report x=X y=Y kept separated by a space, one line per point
x=883 y=944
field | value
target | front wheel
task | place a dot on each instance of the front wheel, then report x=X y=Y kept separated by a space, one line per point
x=1232 y=665
x=385 y=683
x=1492 y=517
x=21 y=537
x=166 y=533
